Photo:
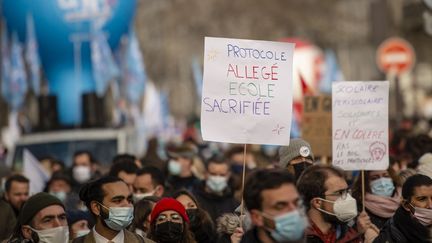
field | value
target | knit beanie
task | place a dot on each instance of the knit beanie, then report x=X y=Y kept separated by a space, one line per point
x=297 y=148
x=35 y=204
x=425 y=165
x=166 y=204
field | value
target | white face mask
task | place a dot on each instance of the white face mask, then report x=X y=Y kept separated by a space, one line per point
x=80 y=233
x=54 y=235
x=81 y=173
x=217 y=183
x=344 y=209
x=139 y=196
x=60 y=195
x=174 y=167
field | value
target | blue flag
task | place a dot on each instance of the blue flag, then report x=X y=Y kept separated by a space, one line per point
x=14 y=87
x=198 y=77
x=5 y=62
x=32 y=56
x=133 y=71
x=165 y=110
x=104 y=68
x=332 y=72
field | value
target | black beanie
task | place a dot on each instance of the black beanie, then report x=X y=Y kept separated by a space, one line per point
x=36 y=203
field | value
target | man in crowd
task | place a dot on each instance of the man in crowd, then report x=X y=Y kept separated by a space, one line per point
x=149 y=182
x=296 y=157
x=84 y=168
x=215 y=195
x=60 y=185
x=7 y=220
x=275 y=208
x=180 y=167
x=16 y=192
x=126 y=157
x=331 y=208
x=110 y=202
x=413 y=219
x=125 y=170
x=42 y=219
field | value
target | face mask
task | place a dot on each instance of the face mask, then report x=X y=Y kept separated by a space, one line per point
x=300 y=167
x=289 y=226
x=81 y=173
x=382 y=187
x=138 y=196
x=270 y=150
x=169 y=232
x=60 y=195
x=54 y=235
x=237 y=169
x=192 y=213
x=119 y=217
x=174 y=167
x=344 y=209
x=80 y=233
x=217 y=183
x=423 y=215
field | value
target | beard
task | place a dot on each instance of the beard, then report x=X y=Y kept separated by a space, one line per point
x=332 y=219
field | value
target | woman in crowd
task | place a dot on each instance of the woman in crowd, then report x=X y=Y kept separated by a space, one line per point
x=382 y=196
x=413 y=219
x=169 y=223
x=201 y=224
x=142 y=210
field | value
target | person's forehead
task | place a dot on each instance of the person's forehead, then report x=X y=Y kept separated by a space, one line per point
x=168 y=212
x=184 y=199
x=335 y=183
x=53 y=210
x=18 y=185
x=377 y=172
x=144 y=179
x=217 y=166
x=118 y=188
x=423 y=191
x=285 y=193
x=59 y=183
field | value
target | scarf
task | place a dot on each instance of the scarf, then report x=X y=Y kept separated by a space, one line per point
x=383 y=207
x=410 y=227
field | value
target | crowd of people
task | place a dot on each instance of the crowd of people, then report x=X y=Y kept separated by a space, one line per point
x=198 y=197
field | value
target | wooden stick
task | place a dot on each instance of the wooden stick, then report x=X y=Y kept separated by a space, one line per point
x=363 y=190
x=242 y=186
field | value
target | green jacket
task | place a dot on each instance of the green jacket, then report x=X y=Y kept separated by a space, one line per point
x=7 y=220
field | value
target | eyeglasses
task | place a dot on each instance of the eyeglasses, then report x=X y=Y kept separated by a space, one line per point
x=173 y=217
x=341 y=193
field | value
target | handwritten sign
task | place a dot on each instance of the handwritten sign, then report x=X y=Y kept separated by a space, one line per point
x=317 y=124
x=247 y=91
x=360 y=125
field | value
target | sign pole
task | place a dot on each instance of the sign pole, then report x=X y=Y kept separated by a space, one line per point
x=363 y=190
x=242 y=186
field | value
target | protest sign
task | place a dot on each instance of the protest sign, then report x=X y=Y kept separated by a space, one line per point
x=360 y=125
x=247 y=91
x=317 y=124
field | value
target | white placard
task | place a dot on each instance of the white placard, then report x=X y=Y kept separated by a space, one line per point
x=360 y=125
x=247 y=91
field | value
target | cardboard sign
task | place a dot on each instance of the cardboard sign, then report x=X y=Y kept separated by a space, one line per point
x=360 y=125
x=247 y=91
x=317 y=124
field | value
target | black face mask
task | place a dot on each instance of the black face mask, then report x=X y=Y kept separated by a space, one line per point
x=300 y=167
x=192 y=213
x=169 y=232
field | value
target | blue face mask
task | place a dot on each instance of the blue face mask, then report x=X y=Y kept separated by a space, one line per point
x=289 y=226
x=119 y=217
x=382 y=187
